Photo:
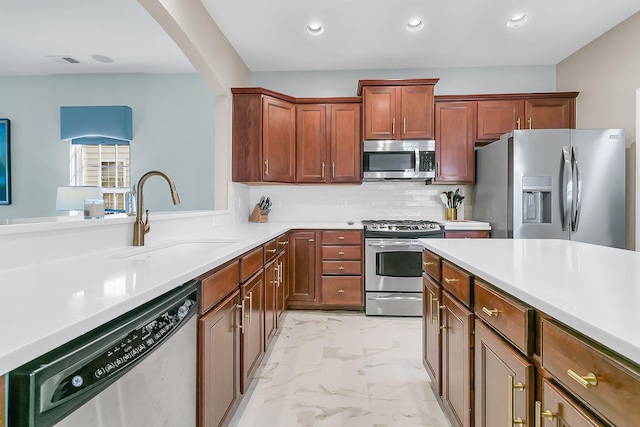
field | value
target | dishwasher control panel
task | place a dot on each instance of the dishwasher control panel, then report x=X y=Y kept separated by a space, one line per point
x=125 y=352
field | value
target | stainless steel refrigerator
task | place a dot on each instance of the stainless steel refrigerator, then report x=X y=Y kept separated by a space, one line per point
x=554 y=183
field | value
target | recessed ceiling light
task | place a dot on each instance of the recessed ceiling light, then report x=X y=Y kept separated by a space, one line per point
x=102 y=58
x=517 y=20
x=315 y=29
x=414 y=25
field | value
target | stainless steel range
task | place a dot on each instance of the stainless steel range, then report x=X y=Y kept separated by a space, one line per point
x=393 y=265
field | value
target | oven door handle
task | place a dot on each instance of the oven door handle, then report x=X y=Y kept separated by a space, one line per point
x=395 y=245
x=395 y=297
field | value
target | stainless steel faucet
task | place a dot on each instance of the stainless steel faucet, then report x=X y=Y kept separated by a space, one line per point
x=141 y=228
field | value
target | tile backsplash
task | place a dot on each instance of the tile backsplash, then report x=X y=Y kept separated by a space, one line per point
x=371 y=200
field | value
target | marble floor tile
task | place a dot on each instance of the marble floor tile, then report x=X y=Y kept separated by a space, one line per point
x=335 y=369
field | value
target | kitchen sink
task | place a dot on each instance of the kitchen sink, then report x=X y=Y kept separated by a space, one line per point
x=178 y=249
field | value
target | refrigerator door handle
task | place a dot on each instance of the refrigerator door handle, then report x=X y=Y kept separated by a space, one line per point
x=567 y=187
x=575 y=215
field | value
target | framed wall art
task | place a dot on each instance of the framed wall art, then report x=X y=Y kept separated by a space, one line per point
x=5 y=163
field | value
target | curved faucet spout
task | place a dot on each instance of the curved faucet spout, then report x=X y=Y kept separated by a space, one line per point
x=141 y=228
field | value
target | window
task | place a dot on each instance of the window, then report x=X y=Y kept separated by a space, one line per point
x=106 y=166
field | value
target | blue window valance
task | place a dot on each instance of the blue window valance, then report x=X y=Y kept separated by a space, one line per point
x=95 y=125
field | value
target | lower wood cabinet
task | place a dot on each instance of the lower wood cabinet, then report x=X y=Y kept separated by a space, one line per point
x=219 y=362
x=303 y=267
x=270 y=301
x=342 y=290
x=466 y=234
x=432 y=338
x=504 y=382
x=557 y=409
x=457 y=361
x=252 y=343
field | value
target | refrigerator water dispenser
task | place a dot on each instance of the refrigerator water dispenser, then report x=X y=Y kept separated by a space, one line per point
x=536 y=199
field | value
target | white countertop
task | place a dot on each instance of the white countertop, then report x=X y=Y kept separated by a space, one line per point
x=466 y=224
x=592 y=289
x=46 y=304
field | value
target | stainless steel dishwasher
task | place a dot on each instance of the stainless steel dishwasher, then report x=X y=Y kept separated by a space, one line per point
x=137 y=370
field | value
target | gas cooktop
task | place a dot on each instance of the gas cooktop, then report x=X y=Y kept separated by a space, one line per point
x=400 y=225
x=402 y=228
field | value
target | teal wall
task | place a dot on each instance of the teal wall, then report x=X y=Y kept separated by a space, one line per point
x=173 y=131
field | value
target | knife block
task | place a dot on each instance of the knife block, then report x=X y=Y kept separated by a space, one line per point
x=257 y=215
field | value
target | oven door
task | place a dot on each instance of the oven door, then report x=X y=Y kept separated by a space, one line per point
x=393 y=265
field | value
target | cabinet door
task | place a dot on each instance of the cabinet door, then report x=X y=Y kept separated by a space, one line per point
x=432 y=338
x=282 y=285
x=557 y=409
x=270 y=302
x=311 y=143
x=455 y=140
x=303 y=266
x=219 y=370
x=504 y=382
x=380 y=103
x=344 y=140
x=457 y=361
x=252 y=293
x=278 y=140
x=498 y=117
x=416 y=113
x=550 y=113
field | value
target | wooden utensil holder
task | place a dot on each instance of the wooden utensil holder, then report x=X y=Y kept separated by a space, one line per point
x=258 y=216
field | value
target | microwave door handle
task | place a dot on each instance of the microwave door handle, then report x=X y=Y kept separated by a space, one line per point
x=416 y=170
x=575 y=216
x=567 y=188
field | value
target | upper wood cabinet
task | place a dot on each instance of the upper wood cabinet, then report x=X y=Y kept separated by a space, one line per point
x=525 y=111
x=455 y=141
x=263 y=136
x=328 y=142
x=398 y=109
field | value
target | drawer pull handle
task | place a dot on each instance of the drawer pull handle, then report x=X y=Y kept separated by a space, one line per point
x=492 y=312
x=448 y=280
x=539 y=414
x=440 y=327
x=341 y=268
x=311 y=240
x=512 y=386
x=341 y=291
x=240 y=325
x=283 y=243
x=340 y=237
x=273 y=251
x=341 y=253
x=585 y=381
x=428 y=263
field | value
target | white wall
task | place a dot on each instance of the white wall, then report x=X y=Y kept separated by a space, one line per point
x=169 y=111
x=453 y=81
x=607 y=73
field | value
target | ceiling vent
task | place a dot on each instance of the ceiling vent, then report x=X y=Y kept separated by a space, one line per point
x=64 y=59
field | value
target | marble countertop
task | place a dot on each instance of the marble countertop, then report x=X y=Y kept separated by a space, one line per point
x=592 y=289
x=46 y=304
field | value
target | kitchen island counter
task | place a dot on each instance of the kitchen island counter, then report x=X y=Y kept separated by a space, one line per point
x=592 y=289
x=45 y=303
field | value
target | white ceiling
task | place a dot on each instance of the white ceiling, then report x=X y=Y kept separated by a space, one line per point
x=270 y=34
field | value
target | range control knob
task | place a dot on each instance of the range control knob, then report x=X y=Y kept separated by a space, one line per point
x=77 y=381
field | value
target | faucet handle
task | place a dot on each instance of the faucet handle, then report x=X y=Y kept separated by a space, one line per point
x=147 y=227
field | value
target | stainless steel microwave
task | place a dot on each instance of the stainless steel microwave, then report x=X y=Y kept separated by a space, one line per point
x=408 y=160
